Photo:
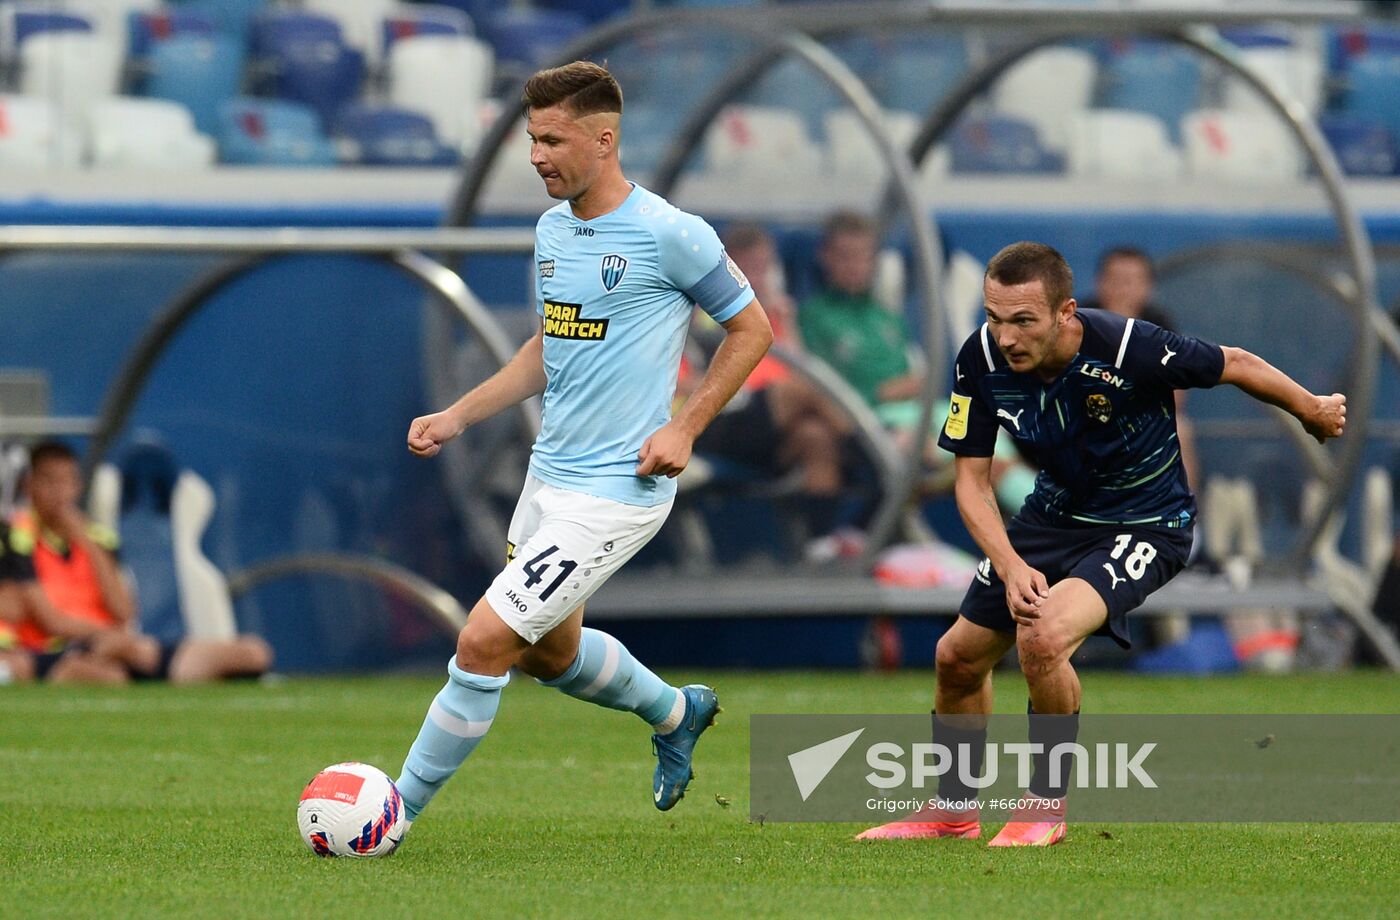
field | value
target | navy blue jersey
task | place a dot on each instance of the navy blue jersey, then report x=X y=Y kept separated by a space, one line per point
x=1103 y=431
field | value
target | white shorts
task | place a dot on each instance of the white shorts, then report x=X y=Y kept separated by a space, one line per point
x=562 y=547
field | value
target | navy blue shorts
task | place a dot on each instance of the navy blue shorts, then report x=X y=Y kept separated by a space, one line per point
x=1124 y=563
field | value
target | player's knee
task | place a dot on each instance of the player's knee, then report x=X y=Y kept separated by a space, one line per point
x=956 y=668
x=1041 y=649
x=479 y=652
x=259 y=653
x=546 y=663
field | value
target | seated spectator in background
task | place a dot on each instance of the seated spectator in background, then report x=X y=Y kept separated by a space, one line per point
x=869 y=346
x=81 y=626
x=777 y=422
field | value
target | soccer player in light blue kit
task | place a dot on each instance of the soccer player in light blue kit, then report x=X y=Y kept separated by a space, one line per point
x=617 y=271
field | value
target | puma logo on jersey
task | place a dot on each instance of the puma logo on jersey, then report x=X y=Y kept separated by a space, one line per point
x=1114 y=575
x=1097 y=373
x=565 y=321
x=1168 y=356
x=1013 y=419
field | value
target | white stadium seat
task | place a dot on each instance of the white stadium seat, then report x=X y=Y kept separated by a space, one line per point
x=1045 y=89
x=32 y=136
x=1295 y=72
x=1242 y=146
x=852 y=151
x=761 y=141
x=147 y=133
x=360 y=21
x=73 y=70
x=445 y=77
x=1121 y=144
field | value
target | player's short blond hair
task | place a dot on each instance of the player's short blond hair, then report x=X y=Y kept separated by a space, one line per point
x=584 y=87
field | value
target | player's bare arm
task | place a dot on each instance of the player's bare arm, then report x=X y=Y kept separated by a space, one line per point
x=53 y=621
x=522 y=377
x=1323 y=417
x=1026 y=588
x=746 y=340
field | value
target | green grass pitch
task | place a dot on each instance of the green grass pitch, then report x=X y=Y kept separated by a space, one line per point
x=156 y=801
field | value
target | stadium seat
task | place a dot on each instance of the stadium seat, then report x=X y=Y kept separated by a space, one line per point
x=851 y=149
x=478 y=10
x=145 y=29
x=997 y=144
x=408 y=22
x=361 y=22
x=70 y=69
x=754 y=141
x=1371 y=92
x=1239 y=146
x=388 y=136
x=163 y=513
x=271 y=132
x=320 y=72
x=199 y=73
x=1043 y=89
x=914 y=74
x=527 y=39
x=1293 y=71
x=793 y=86
x=21 y=21
x=445 y=77
x=274 y=31
x=1153 y=77
x=593 y=11
x=146 y=133
x=32 y=136
x=1362 y=147
x=1109 y=143
x=235 y=18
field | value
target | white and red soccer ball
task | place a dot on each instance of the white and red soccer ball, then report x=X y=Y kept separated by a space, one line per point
x=351 y=809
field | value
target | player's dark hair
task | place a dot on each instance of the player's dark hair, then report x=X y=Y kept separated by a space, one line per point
x=848 y=222
x=1022 y=263
x=584 y=87
x=741 y=236
x=1126 y=252
x=45 y=451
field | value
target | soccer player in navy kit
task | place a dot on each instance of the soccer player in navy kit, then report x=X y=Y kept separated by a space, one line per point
x=618 y=272
x=1090 y=394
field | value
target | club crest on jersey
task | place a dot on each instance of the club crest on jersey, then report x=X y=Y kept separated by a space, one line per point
x=566 y=321
x=1098 y=407
x=613 y=268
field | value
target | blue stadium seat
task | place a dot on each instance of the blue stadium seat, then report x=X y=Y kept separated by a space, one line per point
x=997 y=144
x=707 y=3
x=530 y=39
x=323 y=75
x=273 y=32
x=593 y=11
x=201 y=73
x=389 y=136
x=914 y=74
x=1155 y=78
x=272 y=132
x=235 y=18
x=425 y=20
x=478 y=10
x=1363 y=147
x=145 y=28
x=1345 y=45
x=1371 y=82
x=1257 y=37
x=30 y=20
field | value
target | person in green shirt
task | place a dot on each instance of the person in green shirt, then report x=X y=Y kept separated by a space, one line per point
x=868 y=344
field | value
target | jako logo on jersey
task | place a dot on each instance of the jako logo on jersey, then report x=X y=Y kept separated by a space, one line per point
x=583 y=231
x=613 y=268
x=546 y=268
x=1100 y=374
x=563 y=321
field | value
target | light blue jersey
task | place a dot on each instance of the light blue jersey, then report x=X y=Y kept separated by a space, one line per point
x=615 y=295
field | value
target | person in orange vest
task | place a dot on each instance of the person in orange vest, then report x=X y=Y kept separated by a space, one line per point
x=75 y=561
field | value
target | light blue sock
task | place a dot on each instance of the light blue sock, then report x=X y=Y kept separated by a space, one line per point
x=457 y=720
x=606 y=673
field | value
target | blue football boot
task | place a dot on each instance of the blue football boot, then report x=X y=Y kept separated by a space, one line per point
x=673 y=772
